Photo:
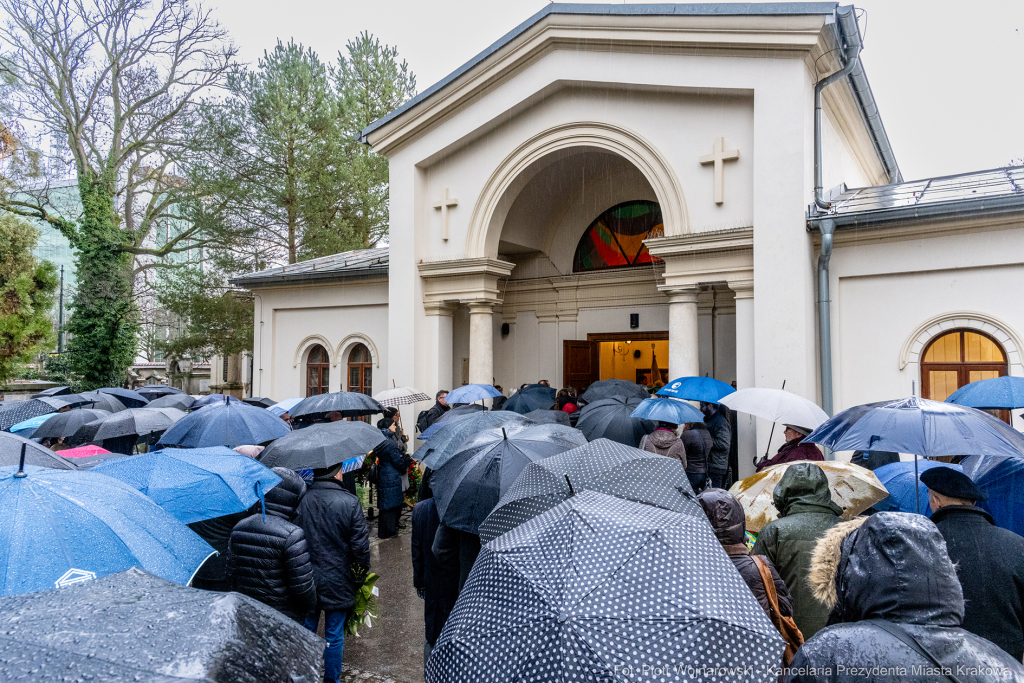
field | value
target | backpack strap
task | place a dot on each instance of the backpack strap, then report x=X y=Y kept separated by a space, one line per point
x=908 y=639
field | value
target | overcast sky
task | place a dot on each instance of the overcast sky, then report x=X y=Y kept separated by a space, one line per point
x=949 y=81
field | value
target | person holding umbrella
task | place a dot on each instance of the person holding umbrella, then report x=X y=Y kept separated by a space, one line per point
x=434 y=413
x=989 y=561
x=698 y=443
x=392 y=463
x=663 y=441
x=717 y=420
x=794 y=449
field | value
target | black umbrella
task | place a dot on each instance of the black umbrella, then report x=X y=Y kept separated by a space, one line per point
x=65 y=425
x=134 y=626
x=447 y=440
x=39 y=456
x=20 y=411
x=138 y=422
x=65 y=401
x=606 y=388
x=604 y=466
x=322 y=445
x=214 y=399
x=546 y=417
x=530 y=398
x=259 y=402
x=348 y=403
x=609 y=418
x=53 y=391
x=470 y=484
x=597 y=588
x=132 y=399
x=100 y=401
x=179 y=401
x=151 y=391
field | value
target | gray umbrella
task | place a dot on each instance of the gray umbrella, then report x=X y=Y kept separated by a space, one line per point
x=137 y=421
x=132 y=399
x=604 y=589
x=64 y=425
x=10 y=453
x=610 y=418
x=19 y=411
x=470 y=484
x=602 y=465
x=100 y=401
x=322 y=445
x=53 y=391
x=133 y=626
x=544 y=417
x=151 y=391
x=348 y=403
x=179 y=401
x=606 y=388
x=446 y=441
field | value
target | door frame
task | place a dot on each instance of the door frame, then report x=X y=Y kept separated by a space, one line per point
x=627 y=336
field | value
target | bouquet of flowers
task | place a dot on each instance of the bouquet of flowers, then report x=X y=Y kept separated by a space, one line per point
x=364 y=609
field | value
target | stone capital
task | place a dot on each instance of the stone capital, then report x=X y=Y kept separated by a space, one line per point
x=744 y=289
x=680 y=295
x=481 y=306
x=438 y=308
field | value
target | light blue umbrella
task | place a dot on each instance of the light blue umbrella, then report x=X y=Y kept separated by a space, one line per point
x=194 y=484
x=1000 y=393
x=470 y=393
x=705 y=389
x=667 y=410
x=61 y=527
x=284 y=406
x=27 y=428
x=225 y=424
x=898 y=479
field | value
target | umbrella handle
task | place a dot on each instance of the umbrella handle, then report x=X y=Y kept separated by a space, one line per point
x=20 y=474
x=572 y=491
x=263 y=502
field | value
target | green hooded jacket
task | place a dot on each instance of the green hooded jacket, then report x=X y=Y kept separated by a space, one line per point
x=806 y=512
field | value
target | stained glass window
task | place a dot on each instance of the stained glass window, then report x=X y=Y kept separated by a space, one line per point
x=616 y=238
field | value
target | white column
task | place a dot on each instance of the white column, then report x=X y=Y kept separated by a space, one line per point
x=682 y=332
x=439 y=337
x=549 y=352
x=481 y=342
x=745 y=377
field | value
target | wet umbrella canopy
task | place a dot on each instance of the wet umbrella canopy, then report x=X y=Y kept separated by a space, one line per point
x=667 y=410
x=607 y=388
x=35 y=455
x=448 y=439
x=610 y=418
x=53 y=391
x=705 y=389
x=322 y=445
x=179 y=401
x=470 y=393
x=100 y=401
x=259 y=402
x=999 y=392
x=225 y=424
x=603 y=466
x=595 y=585
x=469 y=485
x=137 y=421
x=543 y=417
x=66 y=424
x=134 y=626
x=348 y=403
x=151 y=391
x=132 y=399
x=194 y=484
x=57 y=527
x=214 y=399
x=899 y=479
x=282 y=407
x=20 y=411
x=530 y=398
x=1003 y=480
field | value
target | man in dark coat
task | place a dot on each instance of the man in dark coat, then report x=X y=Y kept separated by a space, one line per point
x=717 y=420
x=437 y=588
x=392 y=463
x=794 y=449
x=806 y=512
x=338 y=541
x=499 y=401
x=730 y=525
x=989 y=561
x=697 y=442
x=456 y=550
x=267 y=555
x=429 y=417
x=888 y=582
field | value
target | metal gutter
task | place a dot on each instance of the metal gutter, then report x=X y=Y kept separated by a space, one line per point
x=311 y=276
x=879 y=218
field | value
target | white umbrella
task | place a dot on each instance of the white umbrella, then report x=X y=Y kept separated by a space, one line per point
x=400 y=396
x=776 y=405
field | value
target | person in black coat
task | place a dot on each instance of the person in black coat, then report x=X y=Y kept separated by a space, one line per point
x=392 y=463
x=456 y=550
x=338 y=542
x=267 y=555
x=729 y=523
x=436 y=587
x=434 y=413
x=717 y=420
x=213 y=575
x=989 y=560
x=888 y=581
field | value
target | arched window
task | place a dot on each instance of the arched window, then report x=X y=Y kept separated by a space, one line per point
x=360 y=370
x=959 y=357
x=318 y=368
x=616 y=238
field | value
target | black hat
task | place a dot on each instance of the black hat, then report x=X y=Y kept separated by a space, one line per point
x=952 y=483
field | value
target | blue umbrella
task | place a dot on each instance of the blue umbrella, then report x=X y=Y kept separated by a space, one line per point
x=998 y=393
x=898 y=478
x=667 y=410
x=530 y=398
x=284 y=406
x=132 y=399
x=194 y=484
x=1003 y=480
x=705 y=389
x=472 y=392
x=27 y=428
x=58 y=528
x=214 y=399
x=225 y=424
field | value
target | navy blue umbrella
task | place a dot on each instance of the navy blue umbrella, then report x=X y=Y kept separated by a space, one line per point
x=607 y=388
x=899 y=478
x=225 y=424
x=59 y=528
x=998 y=393
x=448 y=439
x=1003 y=480
x=53 y=391
x=151 y=391
x=530 y=398
x=667 y=410
x=705 y=389
x=214 y=399
x=470 y=393
x=132 y=399
x=611 y=418
x=98 y=401
x=348 y=403
x=194 y=484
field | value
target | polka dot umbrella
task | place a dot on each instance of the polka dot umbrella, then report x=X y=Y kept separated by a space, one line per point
x=603 y=589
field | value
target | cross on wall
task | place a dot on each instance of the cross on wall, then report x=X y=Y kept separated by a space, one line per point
x=719 y=155
x=446 y=204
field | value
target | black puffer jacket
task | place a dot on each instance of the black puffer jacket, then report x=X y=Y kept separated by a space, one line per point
x=698 y=443
x=213 y=575
x=338 y=539
x=892 y=566
x=730 y=524
x=267 y=556
x=721 y=439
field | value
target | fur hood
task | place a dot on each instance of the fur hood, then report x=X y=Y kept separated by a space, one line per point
x=825 y=561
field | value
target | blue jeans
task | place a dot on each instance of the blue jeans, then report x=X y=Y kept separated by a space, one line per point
x=334 y=633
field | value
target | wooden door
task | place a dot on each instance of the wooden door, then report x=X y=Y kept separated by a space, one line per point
x=581 y=364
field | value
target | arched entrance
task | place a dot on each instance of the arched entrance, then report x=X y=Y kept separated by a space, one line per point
x=318 y=370
x=958 y=357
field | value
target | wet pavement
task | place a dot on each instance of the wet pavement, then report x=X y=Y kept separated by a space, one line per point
x=392 y=650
